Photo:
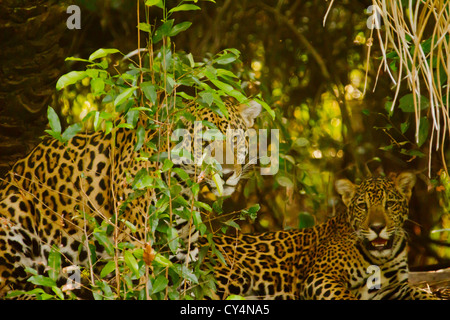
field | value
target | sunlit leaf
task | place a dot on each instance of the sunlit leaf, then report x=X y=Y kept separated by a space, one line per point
x=144 y=27
x=54 y=263
x=184 y=7
x=70 y=78
x=100 y=53
x=108 y=268
x=122 y=97
x=153 y=3
x=41 y=280
x=131 y=262
x=53 y=120
x=167 y=165
x=226 y=59
x=71 y=131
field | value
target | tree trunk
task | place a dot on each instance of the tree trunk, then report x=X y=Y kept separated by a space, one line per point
x=31 y=57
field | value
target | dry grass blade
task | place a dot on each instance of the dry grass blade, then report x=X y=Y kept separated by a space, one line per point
x=416 y=35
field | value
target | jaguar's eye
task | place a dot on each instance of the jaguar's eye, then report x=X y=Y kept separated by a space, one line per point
x=390 y=204
x=362 y=206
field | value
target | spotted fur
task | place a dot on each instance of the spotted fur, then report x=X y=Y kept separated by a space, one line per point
x=358 y=254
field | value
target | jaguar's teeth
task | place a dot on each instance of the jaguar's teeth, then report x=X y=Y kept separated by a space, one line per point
x=379 y=243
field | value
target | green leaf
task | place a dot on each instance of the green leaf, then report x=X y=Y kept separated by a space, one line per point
x=181 y=173
x=144 y=27
x=412 y=153
x=222 y=86
x=226 y=58
x=284 y=181
x=163 y=30
x=106 y=289
x=232 y=224
x=105 y=241
x=58 y=292
x=226 y=73
x=162 y=261
x=142 y=180
x=131 y=262
x=404 y=126
x=254 y=209
x=140 y=134
x=203 y=205
x=173 y=238
x=100 y=53
x=54 y=263
x=229 y=90
x=235 y=297
x=149 y=90
x=71 y=131
x=122 y=97
x=31 y=270
x=157 y=3
x=185 y=7
x=388 y=108
x=70 y=78
x=167 y=165
x=423 y=131
x=195 y=189
x=97 y=85
x=266 y=107
x=53 y=120
x=54 y=134
x=179 y=28
x=406 y=103
x=159 y=284
x=41 y=280
x=108 y=268
x=306 y=220
x=188 y=274
x=207 y=97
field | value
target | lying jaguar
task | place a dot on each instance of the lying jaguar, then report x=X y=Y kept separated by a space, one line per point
x=358 y=254
x=44 y=196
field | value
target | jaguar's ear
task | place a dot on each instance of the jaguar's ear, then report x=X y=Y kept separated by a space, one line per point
x=404 y=182
x=346 y=189
x=249 y=112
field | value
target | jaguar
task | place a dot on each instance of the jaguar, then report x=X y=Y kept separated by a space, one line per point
x=46 y=197
x=358 y=254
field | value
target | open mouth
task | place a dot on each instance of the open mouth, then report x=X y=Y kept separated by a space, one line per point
x=380 y=244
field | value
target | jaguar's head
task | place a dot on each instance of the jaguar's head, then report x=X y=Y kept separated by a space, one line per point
x=377 y=209
x=225 y=139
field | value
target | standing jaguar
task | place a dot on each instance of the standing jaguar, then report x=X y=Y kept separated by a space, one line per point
x=45 y=196
x=360 y=253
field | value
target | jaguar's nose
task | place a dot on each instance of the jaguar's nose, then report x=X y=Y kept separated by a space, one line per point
x=227 y=175
x=377 y=227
